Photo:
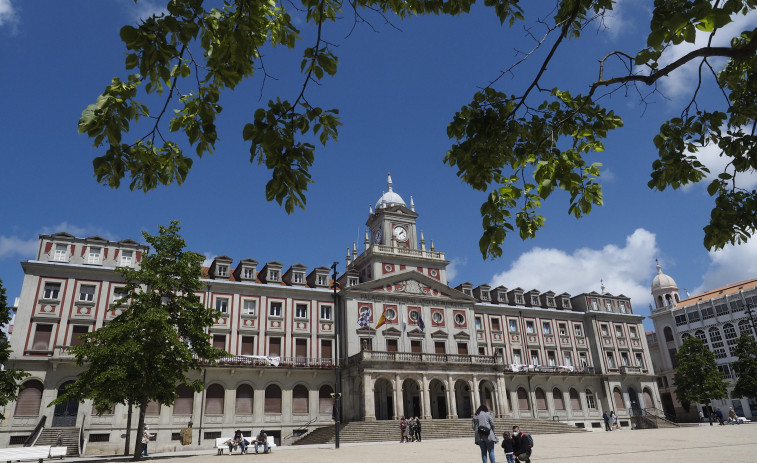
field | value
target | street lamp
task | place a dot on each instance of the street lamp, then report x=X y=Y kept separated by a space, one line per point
x=337 y=389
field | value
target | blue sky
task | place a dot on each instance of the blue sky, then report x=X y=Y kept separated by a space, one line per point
x=397 y=90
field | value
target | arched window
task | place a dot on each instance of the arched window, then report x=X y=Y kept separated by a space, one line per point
x=273 y=399
x=618 y=396
x=676 y=296
x=523 y=399
x=29 y=399
x=668 y=300
x=590 y=402
x=648 y=400
x=325 y=402
x=668 y=334
x=702 y=337
x=214 y=400
x=300 y=399
x=243 y=405
x=541 y=399
x=659 y=301
x=557 y=398
x=184 y=403
x=575 y=400
x=685 y=336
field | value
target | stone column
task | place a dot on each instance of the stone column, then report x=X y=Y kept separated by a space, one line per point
x=501 y=393
x=476 y=394
x=426 y=399
x=397 y=396
x=370 y=406
x=452 y=410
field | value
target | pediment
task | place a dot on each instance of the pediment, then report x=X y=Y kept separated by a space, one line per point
x=366 y=331
x=416 y=333
x=392 y=332
x=411 y=283
x=462 y=335
x=439 y=334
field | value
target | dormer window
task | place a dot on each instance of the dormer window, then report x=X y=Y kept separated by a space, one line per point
x=222 y=270
x=502 y=297
x=608 y=305
x=248 y=273
x=126 y=258
x=466 y=291
x=298 y=277
x=352 y=281
x=94 y=256
x=273 y=275
x=550 y=301
x=566 y=303
x=519 y=299
x=322 y=280
x=484 y=296
x=622 y=306
x=61 y=253
x=534 y=300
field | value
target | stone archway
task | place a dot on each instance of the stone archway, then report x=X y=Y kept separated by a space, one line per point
x=65 y=414
x=383 y=399
x=463 y=399
x=633 y=398
x=648 y=400
x=438 y=395
x=411 y=398
x=487 y=396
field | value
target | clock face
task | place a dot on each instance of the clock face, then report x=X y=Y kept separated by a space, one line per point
x=400 y=233
x=377 y=235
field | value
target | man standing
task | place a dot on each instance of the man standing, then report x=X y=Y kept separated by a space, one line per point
x=606 y=417
x=522 y=444
x=262 y=439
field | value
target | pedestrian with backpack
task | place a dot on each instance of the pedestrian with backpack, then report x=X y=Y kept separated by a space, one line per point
x=522 y=445
x=483 y=430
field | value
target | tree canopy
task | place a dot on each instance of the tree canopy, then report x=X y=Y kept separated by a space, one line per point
x=697 y=379
x=518 y=147
x=746 y=367
x=9 y=377
x=146 y=351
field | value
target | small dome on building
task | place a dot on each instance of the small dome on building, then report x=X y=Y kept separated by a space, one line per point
x=390 y=198
x=662 y=281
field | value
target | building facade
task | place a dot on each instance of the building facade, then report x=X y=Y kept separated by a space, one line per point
x=405 y=341
x=717 y=317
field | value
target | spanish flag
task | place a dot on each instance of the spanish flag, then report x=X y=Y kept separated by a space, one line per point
x=381 y=320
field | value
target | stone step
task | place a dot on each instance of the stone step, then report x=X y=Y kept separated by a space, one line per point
x=69 y=437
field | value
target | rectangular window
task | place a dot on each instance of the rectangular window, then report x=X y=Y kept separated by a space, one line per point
x=578 y=330
x=478 y=323
x=693 y=316
x=300 y=311
x=248 y=342
x=568 y=358
x=513 y=325
x=87 y=293
x=639 y=359
x=52 y=291
x=248 y=273
x=502 y=297
x=126 y=258
x=322 y=280
x=222 y=305
x=590 y=401
x=608 y=305
x=550 y=301
x=484 y=296
x=222 y=270
x=76 y=332
x=563 y=328
x=604 y=329
x=707 y=313
x=535 y=300
x=325 y=312
x=301 y=348
x=517 y=357
x=584 y=359
x=566 y=303
x=352 y=281
x=551 y=358
x=440 y=347
x=249 y=306
x=219 y=341
x=680 y=319
x=94 y=256
x=42 y=336
x=721 y=309
x=535 y=357
x=391 y=345
x=462 y=348
x=546 y=327
x=275 y=309
x=415 y=346
x=593 y=303
x=481 y=350
x=274 y=347
x=632 y=330
x=530 y=327
x=118 y=294
x=298 y=278
x=622 y=306
x=61 y=253
x=624 y=358
x=519 y=299
x=611 y=360
x=619 y=331
x=273 y=275
x=495 y=324
x=326 y=349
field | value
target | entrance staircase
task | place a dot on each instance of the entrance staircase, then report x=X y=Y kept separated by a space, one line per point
x=389 y=431
x=69 y=436
x=652 y=418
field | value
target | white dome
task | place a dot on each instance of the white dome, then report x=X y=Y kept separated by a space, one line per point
x=662 y=281
x=390 y=198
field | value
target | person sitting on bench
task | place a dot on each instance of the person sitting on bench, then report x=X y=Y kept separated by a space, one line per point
x=262 y=439
x=238 y=440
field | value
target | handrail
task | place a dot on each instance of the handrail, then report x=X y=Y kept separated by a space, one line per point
x=30 y=441
x=304 y=426
x=368 y=355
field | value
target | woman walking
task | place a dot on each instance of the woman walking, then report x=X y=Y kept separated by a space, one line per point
x=483 y=429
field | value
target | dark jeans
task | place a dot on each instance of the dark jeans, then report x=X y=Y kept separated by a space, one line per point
x=607 y=426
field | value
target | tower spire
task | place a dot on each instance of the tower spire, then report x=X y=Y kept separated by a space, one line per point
x=389 y=181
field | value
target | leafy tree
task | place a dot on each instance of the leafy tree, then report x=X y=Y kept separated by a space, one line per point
x=746 y=365
x=9 y=377
x=697 y=378
x=517 y=146
x=147 y=350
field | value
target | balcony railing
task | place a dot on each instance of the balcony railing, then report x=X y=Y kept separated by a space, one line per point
x=549 y=369
x=379 y=356
x=380 y=248
x=628 y=370
x=274 y=362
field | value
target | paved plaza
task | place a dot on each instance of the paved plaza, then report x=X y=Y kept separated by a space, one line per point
x=682 y=445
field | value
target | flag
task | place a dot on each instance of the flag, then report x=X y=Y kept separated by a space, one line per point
x=421 y=325
x=381 y=320
x=364 y=318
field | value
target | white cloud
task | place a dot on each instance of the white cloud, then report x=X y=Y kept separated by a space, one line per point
x=145 y=9
x=8 y=15
x=209 y=256
x=13 y=246
x=614 y=21
x=730 y=265
x=710 y=157
x=453 y=268
x=624 y=270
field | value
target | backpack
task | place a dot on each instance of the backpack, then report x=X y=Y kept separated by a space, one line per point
x=530 y=440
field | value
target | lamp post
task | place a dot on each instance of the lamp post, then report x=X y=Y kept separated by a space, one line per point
x=337 y=388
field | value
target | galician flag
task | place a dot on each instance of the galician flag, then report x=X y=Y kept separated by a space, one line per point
x=381 y=320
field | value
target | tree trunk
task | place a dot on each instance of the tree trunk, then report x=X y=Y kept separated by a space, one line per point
x=128 y=431
x=140 y=431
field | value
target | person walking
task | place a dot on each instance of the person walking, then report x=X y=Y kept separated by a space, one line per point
x=484 y=436
x=522 y=445
x=145 y=439
x=614 y=419
x=606 y=417
x=403 y=425
x=418 y=428
x=507 y=444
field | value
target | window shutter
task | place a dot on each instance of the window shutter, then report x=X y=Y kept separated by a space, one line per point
x=300 y=399
x=325 y=402
x=243 y=404
x=575 y=400
x=184 y=404
x=558 y=399
x=29 y=399
x=214 y=400
x=273 y=399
